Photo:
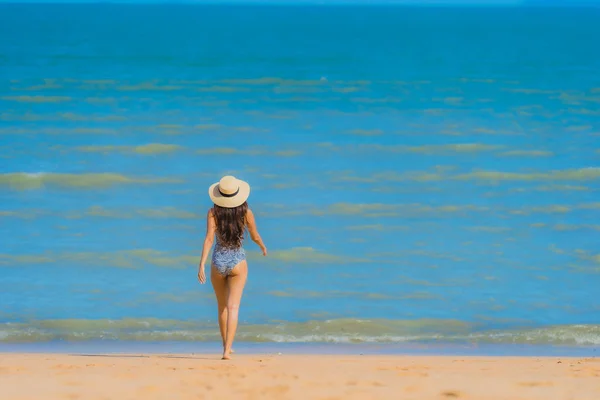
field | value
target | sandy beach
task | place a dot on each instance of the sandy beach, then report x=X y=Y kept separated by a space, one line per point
x=61 y=376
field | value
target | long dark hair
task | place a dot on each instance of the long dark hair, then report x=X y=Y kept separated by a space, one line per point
x=231 y=224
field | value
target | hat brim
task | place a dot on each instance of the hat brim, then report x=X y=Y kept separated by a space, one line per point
x=229 y=202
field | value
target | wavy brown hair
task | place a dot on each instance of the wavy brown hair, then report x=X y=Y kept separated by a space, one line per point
x=231 y=224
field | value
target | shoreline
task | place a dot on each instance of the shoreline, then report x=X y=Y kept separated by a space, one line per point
x=249 y=348
x=205 y=376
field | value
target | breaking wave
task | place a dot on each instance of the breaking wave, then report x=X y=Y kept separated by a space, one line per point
x=327 y=331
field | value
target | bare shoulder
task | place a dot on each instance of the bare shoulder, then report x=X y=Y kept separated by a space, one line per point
x=249 y=217
x=210 y=213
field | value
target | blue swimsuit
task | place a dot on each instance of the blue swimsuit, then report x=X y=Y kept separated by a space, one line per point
x=224 y=259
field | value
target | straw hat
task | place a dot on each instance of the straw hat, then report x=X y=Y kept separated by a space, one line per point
x=229 y=192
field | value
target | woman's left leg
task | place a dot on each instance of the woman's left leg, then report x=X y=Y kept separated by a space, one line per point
x=235 y=282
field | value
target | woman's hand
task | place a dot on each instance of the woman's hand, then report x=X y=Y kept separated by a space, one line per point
x=201 y=274
x=264 y=250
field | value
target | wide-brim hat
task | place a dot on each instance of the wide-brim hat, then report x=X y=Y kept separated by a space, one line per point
x=229 y=192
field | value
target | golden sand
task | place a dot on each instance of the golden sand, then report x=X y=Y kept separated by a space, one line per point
x=182 y=377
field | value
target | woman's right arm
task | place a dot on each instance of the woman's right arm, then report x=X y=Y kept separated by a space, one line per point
x=251 y=222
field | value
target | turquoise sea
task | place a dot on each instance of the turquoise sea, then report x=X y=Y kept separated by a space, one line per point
x=421 y=176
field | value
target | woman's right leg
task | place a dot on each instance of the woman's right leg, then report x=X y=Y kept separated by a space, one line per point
x=235 y=282
x=219 y=284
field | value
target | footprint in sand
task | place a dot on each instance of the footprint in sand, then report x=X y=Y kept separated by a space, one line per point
x=535 y=384
x=451 y=393
x=276 y=390
x=411 y=389
x=148 y=389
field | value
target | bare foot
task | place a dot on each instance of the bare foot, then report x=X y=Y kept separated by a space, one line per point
x=226 y=356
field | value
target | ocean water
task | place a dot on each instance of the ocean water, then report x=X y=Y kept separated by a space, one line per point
x=419 y=175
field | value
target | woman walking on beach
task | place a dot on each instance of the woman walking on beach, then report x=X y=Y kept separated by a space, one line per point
x=228 y=219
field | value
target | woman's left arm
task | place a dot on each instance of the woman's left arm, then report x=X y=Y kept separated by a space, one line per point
x=208 y=242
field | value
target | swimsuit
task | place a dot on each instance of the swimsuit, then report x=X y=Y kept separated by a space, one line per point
x=224 y=259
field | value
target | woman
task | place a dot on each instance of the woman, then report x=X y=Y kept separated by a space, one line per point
x=228 y=220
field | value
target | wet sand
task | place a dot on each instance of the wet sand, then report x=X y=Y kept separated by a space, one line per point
x=111 y=376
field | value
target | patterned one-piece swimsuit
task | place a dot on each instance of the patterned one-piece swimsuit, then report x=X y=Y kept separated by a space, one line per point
x=224 y=259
